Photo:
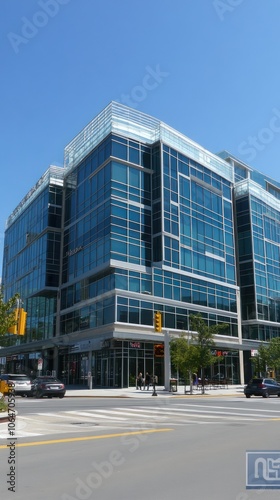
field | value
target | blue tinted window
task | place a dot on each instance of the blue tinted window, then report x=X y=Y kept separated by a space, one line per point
x=133 y=155
x=119 y=172
x=119 y=150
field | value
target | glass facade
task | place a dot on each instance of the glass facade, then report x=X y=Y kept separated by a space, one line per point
x=142 y=219
x=31 y=263
x=258 y=228
x=122 y=205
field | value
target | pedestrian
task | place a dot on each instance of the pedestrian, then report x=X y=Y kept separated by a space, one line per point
x=139 y=381
x=147 y=381
x=195 y=379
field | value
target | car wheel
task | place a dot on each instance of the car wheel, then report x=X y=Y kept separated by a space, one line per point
x=50 y=397
x=278 y=395
x=60 y=397
x=265 y=395
x=248 y=395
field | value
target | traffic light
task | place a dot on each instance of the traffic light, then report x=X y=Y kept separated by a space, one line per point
x=22 y=321
x=14 y=327
x=158 y=323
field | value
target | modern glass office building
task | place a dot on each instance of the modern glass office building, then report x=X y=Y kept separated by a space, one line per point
x=257 y=209
x=141 y=219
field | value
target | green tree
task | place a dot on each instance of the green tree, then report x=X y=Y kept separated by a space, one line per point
x=261 y=361
x=205 y=342
x=184 y=357
x=7 y=317
x=273 y=358
x=195 y=355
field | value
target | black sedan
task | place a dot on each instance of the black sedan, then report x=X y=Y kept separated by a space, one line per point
x=264 y=387
x=47 y=386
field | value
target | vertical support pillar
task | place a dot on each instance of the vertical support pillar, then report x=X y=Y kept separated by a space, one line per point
x=167 y=368
x=241 y=362
x=55 y=359
x=239 y=326
x=90 y=369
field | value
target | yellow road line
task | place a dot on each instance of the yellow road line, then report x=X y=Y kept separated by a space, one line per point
x=86 y=438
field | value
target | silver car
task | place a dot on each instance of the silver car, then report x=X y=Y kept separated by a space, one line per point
x=19 y=383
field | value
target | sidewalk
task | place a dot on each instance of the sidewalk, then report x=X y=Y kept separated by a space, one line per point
x=131 y=392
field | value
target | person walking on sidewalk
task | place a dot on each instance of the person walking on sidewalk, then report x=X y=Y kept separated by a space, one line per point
x=139 y=381
x=147 y=381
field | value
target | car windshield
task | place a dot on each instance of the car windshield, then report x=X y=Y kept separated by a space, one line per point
x=18 y=377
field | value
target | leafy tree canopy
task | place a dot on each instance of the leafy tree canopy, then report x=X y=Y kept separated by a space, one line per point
x=260 y=361
x=7 y=317
x=184 y=356
x=195 y=354
x=274 y=353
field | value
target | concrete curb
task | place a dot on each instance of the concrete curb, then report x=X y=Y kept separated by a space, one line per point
x=130 y=394
x=4 y=417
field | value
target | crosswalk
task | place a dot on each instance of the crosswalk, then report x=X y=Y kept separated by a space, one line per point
x=135 y=417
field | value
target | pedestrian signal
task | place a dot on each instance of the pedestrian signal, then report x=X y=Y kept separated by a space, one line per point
x=159 y=350
x=158 y=323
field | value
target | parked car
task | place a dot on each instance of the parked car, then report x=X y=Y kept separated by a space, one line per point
x=19 y=383
x=47 y=386
x=264 y=387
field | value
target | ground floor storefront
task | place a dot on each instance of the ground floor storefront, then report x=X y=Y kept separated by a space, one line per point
x=115 y=363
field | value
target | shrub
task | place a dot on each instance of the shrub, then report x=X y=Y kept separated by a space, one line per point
x=3 y=404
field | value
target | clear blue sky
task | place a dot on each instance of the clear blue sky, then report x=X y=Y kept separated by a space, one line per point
x=209 y=68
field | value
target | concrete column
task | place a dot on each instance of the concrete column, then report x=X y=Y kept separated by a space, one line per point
x=239 y=326
x=167 y=365
x=241 y=362
x=89 y=370
x=55 y=359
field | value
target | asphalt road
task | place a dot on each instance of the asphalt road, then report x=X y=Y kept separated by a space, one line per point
x=178 y=448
